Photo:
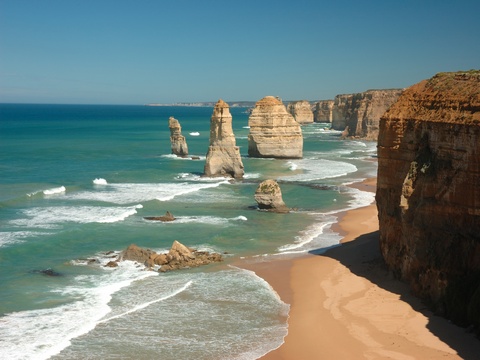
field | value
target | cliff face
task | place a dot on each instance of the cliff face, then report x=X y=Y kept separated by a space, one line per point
x=323 y=111
x=177 y=140
x=428 y=192
x=361 y=112
x=301 y=111
x=273 y=131
x=223 y=157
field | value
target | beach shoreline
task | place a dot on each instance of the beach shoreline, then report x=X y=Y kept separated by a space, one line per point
x=344 y=303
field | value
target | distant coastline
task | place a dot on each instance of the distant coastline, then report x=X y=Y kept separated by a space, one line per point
x=207 y=104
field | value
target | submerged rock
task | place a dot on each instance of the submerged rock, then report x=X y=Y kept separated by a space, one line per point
x=178 y=142
x=47 y=272
x=269 y=197
x=223 y=157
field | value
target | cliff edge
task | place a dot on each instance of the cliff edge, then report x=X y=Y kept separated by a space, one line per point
x=428 y=192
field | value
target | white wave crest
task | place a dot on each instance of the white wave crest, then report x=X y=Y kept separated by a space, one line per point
x=54 y=216
x=54 y=191
x=317 y=170
x=100 y=181
x=135 y=193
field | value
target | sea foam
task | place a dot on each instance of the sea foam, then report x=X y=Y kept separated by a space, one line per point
x=54 y=191
x=40 y=334
x=134 y=193
x=100 y=181
x=54 y=216
x=317 y=170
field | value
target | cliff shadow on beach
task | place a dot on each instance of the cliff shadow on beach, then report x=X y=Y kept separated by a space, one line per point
x=363 y=258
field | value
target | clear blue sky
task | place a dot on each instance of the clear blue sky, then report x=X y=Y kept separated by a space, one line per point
x=144 y=51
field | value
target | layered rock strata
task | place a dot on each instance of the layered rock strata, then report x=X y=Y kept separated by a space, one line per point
x=223 y=157
x=301 y=111
x=178 y=257
x=428 y=193
x=177 y=140
x=269 y=197
x=274 y=133
x=361 y=112
x=323 y=111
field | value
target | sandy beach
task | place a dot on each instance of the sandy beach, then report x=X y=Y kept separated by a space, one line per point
x=346 y=305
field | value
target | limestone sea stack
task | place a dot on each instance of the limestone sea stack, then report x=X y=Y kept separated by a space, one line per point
x=269 y=197
x=323 y=111
x=301 y=111
x=428 y=192
x=274 y=133
x=177 y=140
x=223 y=156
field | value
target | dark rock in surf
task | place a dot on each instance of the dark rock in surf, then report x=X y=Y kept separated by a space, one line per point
x=167 y=217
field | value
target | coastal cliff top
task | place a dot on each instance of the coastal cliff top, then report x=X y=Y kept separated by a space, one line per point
x=269 y=100
x=452 y=97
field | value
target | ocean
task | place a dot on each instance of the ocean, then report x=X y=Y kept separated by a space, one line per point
x=76 y=183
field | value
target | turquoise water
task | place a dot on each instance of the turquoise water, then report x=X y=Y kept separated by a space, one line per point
x=77 y=182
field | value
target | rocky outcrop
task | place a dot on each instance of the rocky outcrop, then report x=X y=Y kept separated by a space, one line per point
x=223 y=157
x=301 y=111
x=269 y=197
x=177 y=140
x=323 y=111
x=428 y=192
x=274 y=133
x=167 y=217
x=178 y=257
x=361 y=112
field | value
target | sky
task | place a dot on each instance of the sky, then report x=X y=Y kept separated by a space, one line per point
x=159 y=51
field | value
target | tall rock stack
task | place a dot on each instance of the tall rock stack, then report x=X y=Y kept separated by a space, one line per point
x=301 y=111
x=223 y=157
x=323 y=111
x=428 y=192
x=274 y=133
x=177 y=140
x=361 y=112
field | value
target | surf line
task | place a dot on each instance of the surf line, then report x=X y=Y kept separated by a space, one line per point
x=144 y=305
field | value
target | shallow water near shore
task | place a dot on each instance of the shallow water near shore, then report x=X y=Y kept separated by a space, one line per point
x=77 y=182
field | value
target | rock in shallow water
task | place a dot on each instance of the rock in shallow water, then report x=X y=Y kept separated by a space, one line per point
x=178 y=257
x=269 y=197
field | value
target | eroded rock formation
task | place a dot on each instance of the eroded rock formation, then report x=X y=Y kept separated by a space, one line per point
x=428 y=192
x=223 y=157
x=178 y=257
x=301 y=111
x=274 y=133
x=165 y=218
x=323 y=111
x=361 y=112
x=177 y=140
x=269 y=197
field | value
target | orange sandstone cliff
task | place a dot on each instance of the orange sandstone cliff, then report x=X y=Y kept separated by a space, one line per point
x=428 y=193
